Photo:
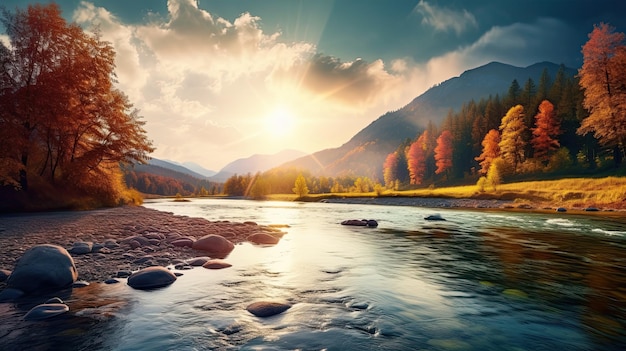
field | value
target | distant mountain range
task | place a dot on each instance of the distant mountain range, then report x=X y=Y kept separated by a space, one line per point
x=256 y=163
x=365 y=153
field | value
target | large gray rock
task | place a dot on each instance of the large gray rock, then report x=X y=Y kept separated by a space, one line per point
x=151 y=278
x=215 y=244
x=43 y=268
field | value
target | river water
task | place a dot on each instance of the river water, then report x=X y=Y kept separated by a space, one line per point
x=481 y=280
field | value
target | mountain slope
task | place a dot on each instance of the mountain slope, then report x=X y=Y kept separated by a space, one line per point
x=365 y=153
x=172 y=166
x=256 y=163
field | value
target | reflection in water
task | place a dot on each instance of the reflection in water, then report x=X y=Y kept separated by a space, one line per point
x=478 y=281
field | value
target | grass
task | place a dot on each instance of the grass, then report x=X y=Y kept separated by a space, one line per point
x=609 y=192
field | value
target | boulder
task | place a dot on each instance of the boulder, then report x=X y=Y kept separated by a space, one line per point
x=45 y=311
x=361 y=223
x=183 y=242
x=267 y=308
x=216 y=264
x=215 y=244
x=262 y=239
x=43 y=268
x=151 y=278
x=197 y=261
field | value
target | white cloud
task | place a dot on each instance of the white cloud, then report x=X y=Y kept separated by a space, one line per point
x=443 y=19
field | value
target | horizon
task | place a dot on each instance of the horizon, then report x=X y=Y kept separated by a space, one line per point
x=217 y=82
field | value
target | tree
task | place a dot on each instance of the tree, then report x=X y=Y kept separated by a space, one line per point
x=416 y=160
x=547 y=129
x=443 y=152
x=70 y=126
x=491 y=150
x=494 y=175
x=300 y=188
x=512 y=141
x=389 y=169
x=602 y=78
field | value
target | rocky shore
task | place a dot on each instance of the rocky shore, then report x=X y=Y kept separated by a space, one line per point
x=109 y=243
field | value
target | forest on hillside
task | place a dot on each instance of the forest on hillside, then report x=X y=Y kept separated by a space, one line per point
x=557 y=127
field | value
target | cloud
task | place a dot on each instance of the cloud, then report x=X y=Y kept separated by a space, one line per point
x=443 y=19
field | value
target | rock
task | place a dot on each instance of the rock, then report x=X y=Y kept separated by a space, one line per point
x=216 y=264
x=434 y=217
x=361 y=223
x=214 y=244
x=561 y=209
x=183 y=242
x=43 y=268
x=111 y=281
x=263 y=239
x=80 y=284
x=4 y=275
x=123 y=274
x=10 y=294
x=81 y=248
x=267 y=308
x=45 y=311
x=591 y=209
x=151 y=278
x=197 y=261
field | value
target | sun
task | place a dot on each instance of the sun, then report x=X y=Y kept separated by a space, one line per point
x=280 y=121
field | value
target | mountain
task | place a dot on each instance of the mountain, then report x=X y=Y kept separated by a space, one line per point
x=174 y=167
x=199 y=169
x=365 y=153
x=256 y=163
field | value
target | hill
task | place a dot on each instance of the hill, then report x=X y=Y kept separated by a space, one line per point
x=365 y=153
x=256 y=163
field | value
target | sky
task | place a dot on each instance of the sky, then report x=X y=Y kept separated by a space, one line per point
x=220 y=80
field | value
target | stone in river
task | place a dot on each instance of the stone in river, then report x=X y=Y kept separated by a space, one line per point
x=10 y=294
x=183 y=242
x=197 y=261
x=267 y=308
x=45 y=311
x=214 y=244
x=151 y=278
x=216 y=264
x=263 y=239
x=43 y=268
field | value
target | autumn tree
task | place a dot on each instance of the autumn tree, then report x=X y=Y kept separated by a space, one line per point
x=300 y=187
x=416 y=160
x=547 y=129
x=389 y=169
x=512 y=141
x=602 y=78
x=443 y=152
x=494 y=175
x=66 y=122
x=491 y=150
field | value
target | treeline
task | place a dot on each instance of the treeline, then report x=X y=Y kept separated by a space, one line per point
x=561 y=124
x=64 y=127
x=150 y=183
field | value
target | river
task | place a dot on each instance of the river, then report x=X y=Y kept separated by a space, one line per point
x=480 y=280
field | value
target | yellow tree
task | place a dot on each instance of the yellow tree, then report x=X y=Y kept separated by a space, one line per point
x=300 y=187
x=512 y=143
x=602 y=78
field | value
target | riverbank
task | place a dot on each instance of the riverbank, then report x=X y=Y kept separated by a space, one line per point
x=127 y=238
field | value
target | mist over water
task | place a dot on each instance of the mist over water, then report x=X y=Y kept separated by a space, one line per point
x=477 y=281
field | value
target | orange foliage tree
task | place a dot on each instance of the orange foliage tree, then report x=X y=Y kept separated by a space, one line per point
x=491 y=150
x=70 y=126
x=602 y=78
x=389 y=169
x=416 y=160
x=512 y=141
x=443 y=152
x=547 y=129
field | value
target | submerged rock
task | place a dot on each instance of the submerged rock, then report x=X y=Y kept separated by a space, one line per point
x=263 y=239
x=216 y=264
x=267 y=308
x=434 y=217
x=151 y=278
x=45 y=311
x=43 y=268
x=361 y=223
